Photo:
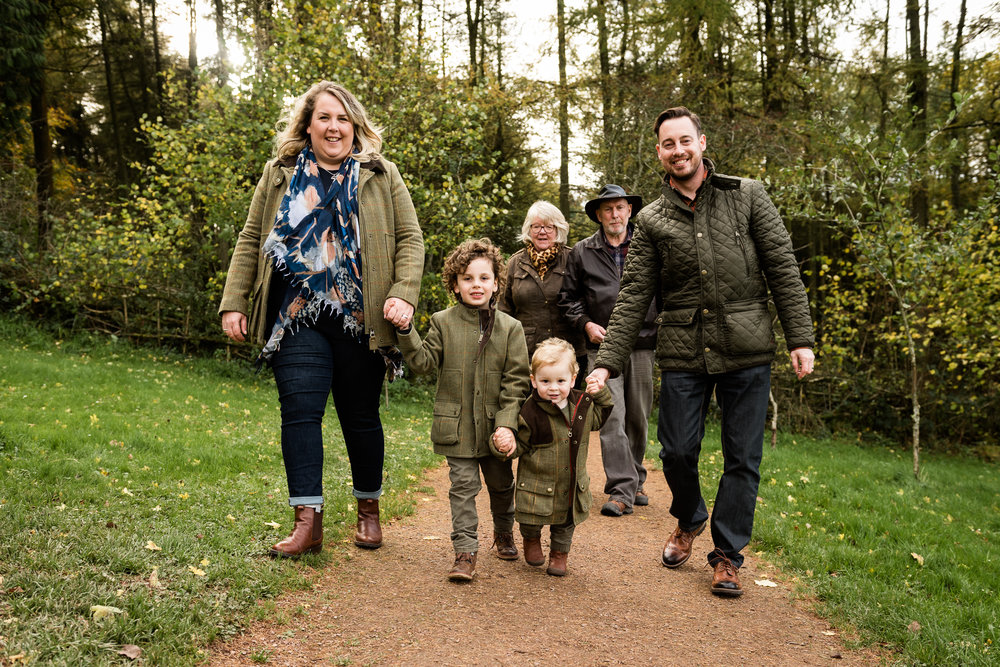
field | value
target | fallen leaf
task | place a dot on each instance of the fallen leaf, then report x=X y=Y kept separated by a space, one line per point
x=913 y=627
x=151 y=545
x=196 y=572
x=130 y=651
x=431 y=537
x=230 y=517
x=205 y=562
x=99 y=611
x=829 y=633
x=767 y=583
x=272 y=524
x=154 y=579
x=917 y=557
x=126 y=492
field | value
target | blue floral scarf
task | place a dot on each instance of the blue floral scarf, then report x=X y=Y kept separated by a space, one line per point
x=314 y=244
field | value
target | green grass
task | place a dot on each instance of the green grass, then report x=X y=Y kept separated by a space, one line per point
x=876 y=549
x=116 y=463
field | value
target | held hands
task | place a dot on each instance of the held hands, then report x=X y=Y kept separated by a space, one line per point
x=397 y=312
x=503 y=440
x=234 y=325
x=595 y=332
x=597 y=379
x=803 y=360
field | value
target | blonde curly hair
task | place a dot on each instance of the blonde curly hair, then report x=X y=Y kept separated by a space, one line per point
x=293 y=135
x=459 y=259
x=552 y=351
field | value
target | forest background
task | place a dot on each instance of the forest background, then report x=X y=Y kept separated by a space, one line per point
x=126 y=169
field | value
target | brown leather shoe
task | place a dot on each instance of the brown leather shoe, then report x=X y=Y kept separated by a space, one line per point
x=504 y=542
x=557 y=563
x=306 y=535
x=533 y=554
x=615 y=508
x=464 y=568
x=726 y=579
x=677 y=550
x=369 y=532
x=641 y=498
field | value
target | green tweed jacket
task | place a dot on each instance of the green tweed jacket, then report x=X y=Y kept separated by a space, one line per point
x=552 y=473
x=392 y=248
x=478 y=390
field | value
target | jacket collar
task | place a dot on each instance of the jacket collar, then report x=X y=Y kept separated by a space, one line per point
x=674 y=197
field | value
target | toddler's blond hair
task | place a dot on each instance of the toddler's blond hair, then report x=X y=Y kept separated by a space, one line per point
x=552 y=351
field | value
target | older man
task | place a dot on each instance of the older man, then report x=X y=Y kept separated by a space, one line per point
x=710 y=248
x=593 y=276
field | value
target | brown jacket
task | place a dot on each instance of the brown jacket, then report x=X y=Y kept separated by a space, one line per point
x=392 y=248
x=535 y=302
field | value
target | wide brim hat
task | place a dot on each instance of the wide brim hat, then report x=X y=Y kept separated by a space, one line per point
x=612 y=191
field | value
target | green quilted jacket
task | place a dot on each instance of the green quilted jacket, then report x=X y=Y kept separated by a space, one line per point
x=713 y=268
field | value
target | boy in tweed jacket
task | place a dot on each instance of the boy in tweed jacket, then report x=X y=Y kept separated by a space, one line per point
x=482 y=362
x=554 y=425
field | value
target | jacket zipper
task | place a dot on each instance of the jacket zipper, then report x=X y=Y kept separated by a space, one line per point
x=743 y=249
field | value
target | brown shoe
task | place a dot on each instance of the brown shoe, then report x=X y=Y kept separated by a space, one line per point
x=504 y=542
x=615 y=508
x=369 y=532
x=557 y=563
x=533 y=554
x=726 y=579
x=677 y=550
x=641 y=498
x=306 y=535
x=464 y=568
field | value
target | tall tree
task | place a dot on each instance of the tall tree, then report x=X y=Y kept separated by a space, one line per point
x=220 y=36
x=563 y=112
x=112 y=103
x=917 y=98
x=955 y=172
x=604 y=59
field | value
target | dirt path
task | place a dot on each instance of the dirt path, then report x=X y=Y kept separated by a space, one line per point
x=617 y=606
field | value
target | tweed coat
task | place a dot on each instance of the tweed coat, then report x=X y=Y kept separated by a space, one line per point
x=713 y=268
x=552 y=471
x=535 y=302
x=479 y=387
x=392 y=249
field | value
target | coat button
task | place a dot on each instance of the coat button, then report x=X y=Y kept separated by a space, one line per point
x=549 y=490
x=705 y=311
x=708 y=349
x=704 y=272
x=699 y=235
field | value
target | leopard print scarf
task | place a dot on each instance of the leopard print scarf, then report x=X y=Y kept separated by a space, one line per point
x=542 y=259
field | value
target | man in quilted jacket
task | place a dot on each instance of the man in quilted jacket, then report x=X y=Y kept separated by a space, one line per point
x=712 y=248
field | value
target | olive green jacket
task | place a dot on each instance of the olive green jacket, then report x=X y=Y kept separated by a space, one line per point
x=552 y=471
x=392 y=248
x=713 y=269
x=535 y=302
x=479 y=388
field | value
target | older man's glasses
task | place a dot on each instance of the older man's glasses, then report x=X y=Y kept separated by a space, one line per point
x=548 y=229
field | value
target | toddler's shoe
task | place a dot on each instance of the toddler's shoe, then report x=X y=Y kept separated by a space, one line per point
x=557 y=563
x=533 y=554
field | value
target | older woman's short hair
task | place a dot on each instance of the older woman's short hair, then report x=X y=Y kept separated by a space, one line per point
x=545 y=213
x=293 y=135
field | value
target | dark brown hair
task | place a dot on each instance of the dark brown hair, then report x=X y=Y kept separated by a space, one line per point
x=467 y=251
x=677 y=112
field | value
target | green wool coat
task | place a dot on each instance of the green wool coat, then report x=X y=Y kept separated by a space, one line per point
x=392 y=248
x=713 y=269
x=479 y=388
x=552 y=471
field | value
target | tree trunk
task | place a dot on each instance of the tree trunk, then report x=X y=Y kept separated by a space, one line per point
x=883 y=80
x=220 y=36
x=192 y=48
x=145 y=84
x=112 y=104
x=157 y=63
x=473 y=22
x=42 y=144
x=605 y=61
x=623 y=52
x=397 y=29
x=955 y=172
x=918 y=105
x=563 y=112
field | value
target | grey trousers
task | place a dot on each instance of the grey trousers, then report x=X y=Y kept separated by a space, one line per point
x=625 y=434
x=465 y=486
x=560 y=536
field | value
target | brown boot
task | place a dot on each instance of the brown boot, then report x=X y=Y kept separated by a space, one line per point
x=533 y=554
x=726 y=578
x=464 y=568
x=506 y=549
x=557 y=563
x=306 y=535
x=677 y=550
x=369 y=532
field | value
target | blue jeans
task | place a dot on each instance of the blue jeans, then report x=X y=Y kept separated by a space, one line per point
x=310 y=365
x=684 y=400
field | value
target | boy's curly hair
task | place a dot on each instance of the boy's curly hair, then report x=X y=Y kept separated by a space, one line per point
x=467 y=251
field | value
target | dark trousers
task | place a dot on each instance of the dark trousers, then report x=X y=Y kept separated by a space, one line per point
x=684 y=400
x=310 y=365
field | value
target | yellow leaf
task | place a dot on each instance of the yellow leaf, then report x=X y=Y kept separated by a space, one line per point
x=917 y=557
x=230 y=517
x=126 y=492
x=99 y=611
x=205 y=562
x=196 y=572
x=272 y=524
x=154 y=578
x=152 y=546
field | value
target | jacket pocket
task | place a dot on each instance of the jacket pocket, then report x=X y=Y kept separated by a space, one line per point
x=747 y=328
x=535 y=499
x=444 y=427
x=677 y=337
x=584 y=497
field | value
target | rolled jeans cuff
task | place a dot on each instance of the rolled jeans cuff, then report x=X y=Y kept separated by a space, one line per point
x=305 y=500
x=368 y=495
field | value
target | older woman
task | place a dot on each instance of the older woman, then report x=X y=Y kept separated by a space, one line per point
x=328 y=264
x=534 y=277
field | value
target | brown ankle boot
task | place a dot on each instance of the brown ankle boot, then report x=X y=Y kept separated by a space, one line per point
x=533 y=554
x=306 y=535
x=557 y=563
x=369 y=532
